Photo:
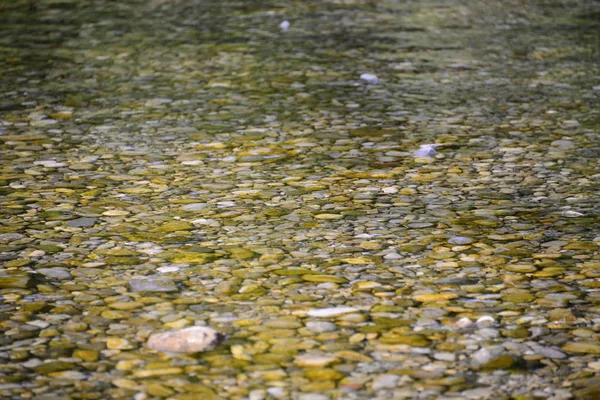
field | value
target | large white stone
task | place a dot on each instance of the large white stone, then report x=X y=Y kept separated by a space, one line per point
x=188 y=340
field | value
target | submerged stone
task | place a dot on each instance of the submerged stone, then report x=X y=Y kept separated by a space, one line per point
x=152 y=285
x=189 y=340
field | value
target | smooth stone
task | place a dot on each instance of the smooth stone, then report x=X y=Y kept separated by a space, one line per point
x=315 y=360
x=330 y=312
x=582 y=347
x=61 y=274
x=173 y=226
x=152 y=285
x=478 y=393
x=462 y=240
x=445 y=356
x=53 y=366
x=86 y=355
x=114 y=343
x=194 y=207
x=16 y=281
x=324 y=278
x=187 y=340
x=429 y=297
x=370 y=79
x=313 y=396
x=321 y=326
x=386 y=381
x=82 y=222
x=548 y=352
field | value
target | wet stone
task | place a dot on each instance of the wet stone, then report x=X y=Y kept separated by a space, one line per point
x=321 y=326
x=187 y=340
x=55 y=273
x=82 y=222
x=152 y=285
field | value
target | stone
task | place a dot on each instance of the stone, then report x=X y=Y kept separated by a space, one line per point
x=15 y=281
x=82 y=222
x=188 y=340
x=370 y=79
x=114 y=343
x=152 y=285
x=582 y=347
x=386 y=381
x=53 y=366
x=61 y=274
x=460 y=240
x=284 y=25
x=321 y=326
x=315 y=360
x=330 y=312
x=430 y=297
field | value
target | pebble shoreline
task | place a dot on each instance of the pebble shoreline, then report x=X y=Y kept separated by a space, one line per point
x=176 y=164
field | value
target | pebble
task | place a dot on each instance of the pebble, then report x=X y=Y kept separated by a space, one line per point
x=284 y=26
x=321 y=326
x=82 y=222
x=582 y=347
x=313 y=396
x=386 y=381
x=370 y=79
x=315 y=360
x=485 y=321
x=187 y=340
x=461 y=240
x=330 y=312
x=60 y=274
x=426 y=151
x=152 y=285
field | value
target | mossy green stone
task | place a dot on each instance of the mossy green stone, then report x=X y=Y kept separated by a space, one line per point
x=324 y=278
x=294 y=272
x=53 y=366
x=518 y=296
x=122 y=261
x=504 y=361
x=173 y=226
x=323 y=374
x=17 y=281
x=410 y=340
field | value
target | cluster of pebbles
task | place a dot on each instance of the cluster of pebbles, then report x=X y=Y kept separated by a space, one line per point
x=196 y=203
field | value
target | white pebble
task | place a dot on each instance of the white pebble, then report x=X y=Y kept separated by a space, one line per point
x=370 y=79
x=485 y=321
x=390 y=190
x=464 y=322
x=168 y=268
x=572 y=214
x=285 y=25
x=386 y=381
x=426 y=151
x=330 y=312
x=188 y=340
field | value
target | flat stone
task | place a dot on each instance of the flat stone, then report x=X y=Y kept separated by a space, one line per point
x=386 y=381
x=61 y=274
x=15 y=281
x=330 y=312
x=429 y=297
x=187 y=340
x=315 y=360
x=152 y=285
x=82 y=222
x=321 y=326
x=582 y=347
x=462 y=240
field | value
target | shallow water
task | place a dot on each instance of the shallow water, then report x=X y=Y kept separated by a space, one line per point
x=176 y=163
